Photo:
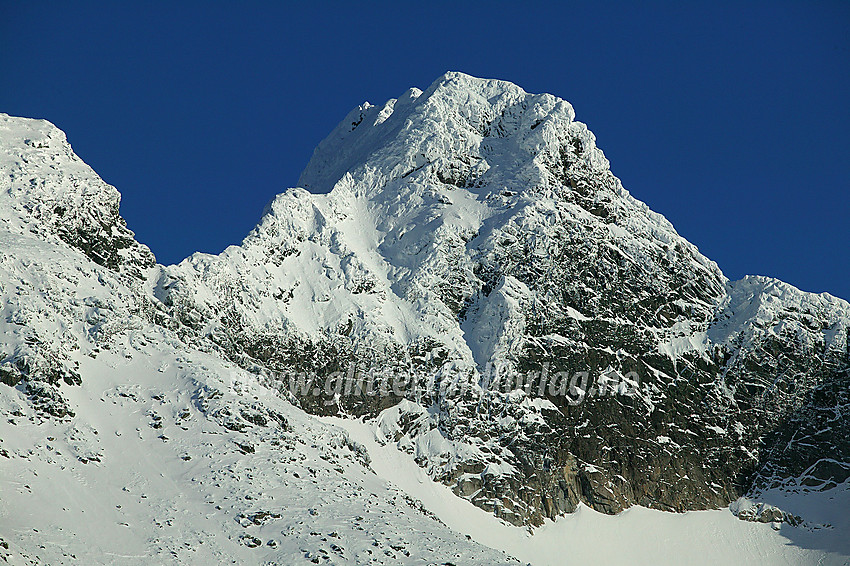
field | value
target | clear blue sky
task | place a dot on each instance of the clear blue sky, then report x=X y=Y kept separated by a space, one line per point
x=732 y=119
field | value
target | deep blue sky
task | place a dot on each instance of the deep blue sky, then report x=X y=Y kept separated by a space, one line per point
x=732 y=119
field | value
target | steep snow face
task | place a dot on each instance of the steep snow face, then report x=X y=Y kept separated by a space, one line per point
x=756 y=307
x=431 y=200
x=47 y=190
x=474 y=225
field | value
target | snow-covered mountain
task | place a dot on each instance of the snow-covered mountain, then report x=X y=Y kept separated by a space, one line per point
x=120 y=442
x=444 y=245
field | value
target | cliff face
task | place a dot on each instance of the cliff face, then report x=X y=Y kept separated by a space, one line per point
x=474 y=227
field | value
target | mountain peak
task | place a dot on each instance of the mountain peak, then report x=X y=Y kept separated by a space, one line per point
x=558 y=342
x=47 y=190
x=474 y=224
x=448 y=121
x=430 y=186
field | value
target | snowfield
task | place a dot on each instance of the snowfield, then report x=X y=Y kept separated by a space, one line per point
x=636 y=536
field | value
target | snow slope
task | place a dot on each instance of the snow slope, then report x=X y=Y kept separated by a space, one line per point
x=155 y=469
x=635 y=536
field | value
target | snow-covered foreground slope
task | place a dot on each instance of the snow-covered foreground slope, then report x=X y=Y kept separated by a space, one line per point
x=157 y=472
x=175 y=456
x=636 y=536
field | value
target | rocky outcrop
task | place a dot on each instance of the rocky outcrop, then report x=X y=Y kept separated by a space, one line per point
x=51 y=193
x=51 y=201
